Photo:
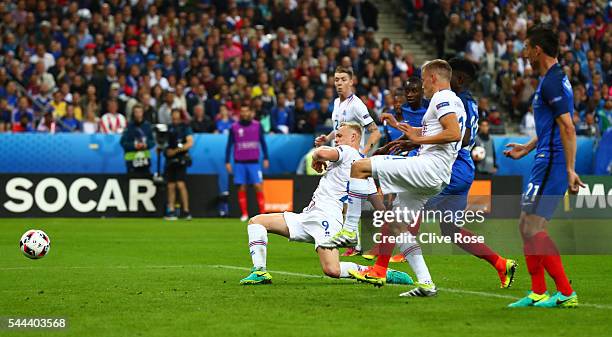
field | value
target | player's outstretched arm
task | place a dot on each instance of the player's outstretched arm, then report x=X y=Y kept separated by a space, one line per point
x=373 y=138
x=567 y=131
x=324 y=139
x=326 y=153
x=518 y=151
x=450 y=132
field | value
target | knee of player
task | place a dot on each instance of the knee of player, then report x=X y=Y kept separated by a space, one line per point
x=253 y=220
x=331 y=270
x=529 y=227
x=360 y=168
x=258 y=219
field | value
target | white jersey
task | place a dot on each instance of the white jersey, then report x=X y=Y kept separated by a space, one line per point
x=442 y=103
x=351 y=109
x=332 y=188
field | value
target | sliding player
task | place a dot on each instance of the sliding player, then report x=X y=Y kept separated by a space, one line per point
x=323 y=216
x=415 y=179
x=552 y=172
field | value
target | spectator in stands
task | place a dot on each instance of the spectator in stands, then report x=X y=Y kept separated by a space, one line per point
x=47 y=124
x=23 y=112
x=496 y=123
x=91 y=123
x=224 y=122
x=527 y=127
x=58 y=104
x=165 y=109
x=282 y=117
x=137 y=141
x=112 y=121
x=476 y=48
x=5 y=115
x=201 y=123
x=489 y=164
x=604 y=116
x=23 y=124
x=587 y=126
x=68 y=122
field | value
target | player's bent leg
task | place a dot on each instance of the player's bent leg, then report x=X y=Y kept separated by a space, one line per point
x=506 y=268
x=330 y=261
x=273 y=222
x=360 y=188
x=361 y=169
x=258 y=229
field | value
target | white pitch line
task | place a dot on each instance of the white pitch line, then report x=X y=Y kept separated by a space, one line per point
x=280 y=272
x=450 y=290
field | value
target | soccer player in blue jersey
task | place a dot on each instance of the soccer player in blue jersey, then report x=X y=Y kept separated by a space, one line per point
x=552 y=173
x=411 y=112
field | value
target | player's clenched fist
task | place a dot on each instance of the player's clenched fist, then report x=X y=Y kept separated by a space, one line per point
x=322 y=139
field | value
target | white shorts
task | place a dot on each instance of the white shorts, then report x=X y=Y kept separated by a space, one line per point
x=414 y=179
x=405 y=174
x=313 y=226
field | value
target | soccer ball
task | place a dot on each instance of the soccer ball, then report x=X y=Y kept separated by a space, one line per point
x=35 y=244
x=478 y=153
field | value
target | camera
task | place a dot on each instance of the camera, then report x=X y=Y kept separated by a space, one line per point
x=161 y=135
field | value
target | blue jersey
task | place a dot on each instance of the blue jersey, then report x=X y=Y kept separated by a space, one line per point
x=548 y=181
x=414 y=117
x=553 y=98
x=390 y=132
x=471 y=111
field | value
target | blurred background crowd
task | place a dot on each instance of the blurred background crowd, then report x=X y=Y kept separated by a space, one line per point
x=82 y=66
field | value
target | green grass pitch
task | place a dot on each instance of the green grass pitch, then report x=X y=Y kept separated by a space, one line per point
x=145 y=277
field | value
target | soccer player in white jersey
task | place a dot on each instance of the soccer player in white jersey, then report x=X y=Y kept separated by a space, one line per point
x=323 y=216
x=414 y=179
x=349 y=108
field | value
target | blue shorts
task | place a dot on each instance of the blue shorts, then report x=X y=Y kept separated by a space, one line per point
x=454 y=196
x=247 y=173
x=546 y=188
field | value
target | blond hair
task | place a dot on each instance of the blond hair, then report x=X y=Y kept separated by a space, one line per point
x=353 y=126
x=439 y=67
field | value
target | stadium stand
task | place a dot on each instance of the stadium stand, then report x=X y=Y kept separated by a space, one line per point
x=62 y=62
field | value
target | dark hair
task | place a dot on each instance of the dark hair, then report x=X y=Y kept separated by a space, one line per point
x=546 y=38
x=345 y=70
x=413 y=79
x=463 y=66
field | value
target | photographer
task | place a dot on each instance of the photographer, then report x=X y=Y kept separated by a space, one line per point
x=180 y=140
x=137 y=140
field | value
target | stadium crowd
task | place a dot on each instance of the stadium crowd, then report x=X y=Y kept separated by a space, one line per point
x=492 y=34
x=81 y=66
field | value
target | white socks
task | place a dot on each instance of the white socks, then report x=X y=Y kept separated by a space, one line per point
x=258 y=242
x=346 y=266
x=413 y=254
x=358 y=191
